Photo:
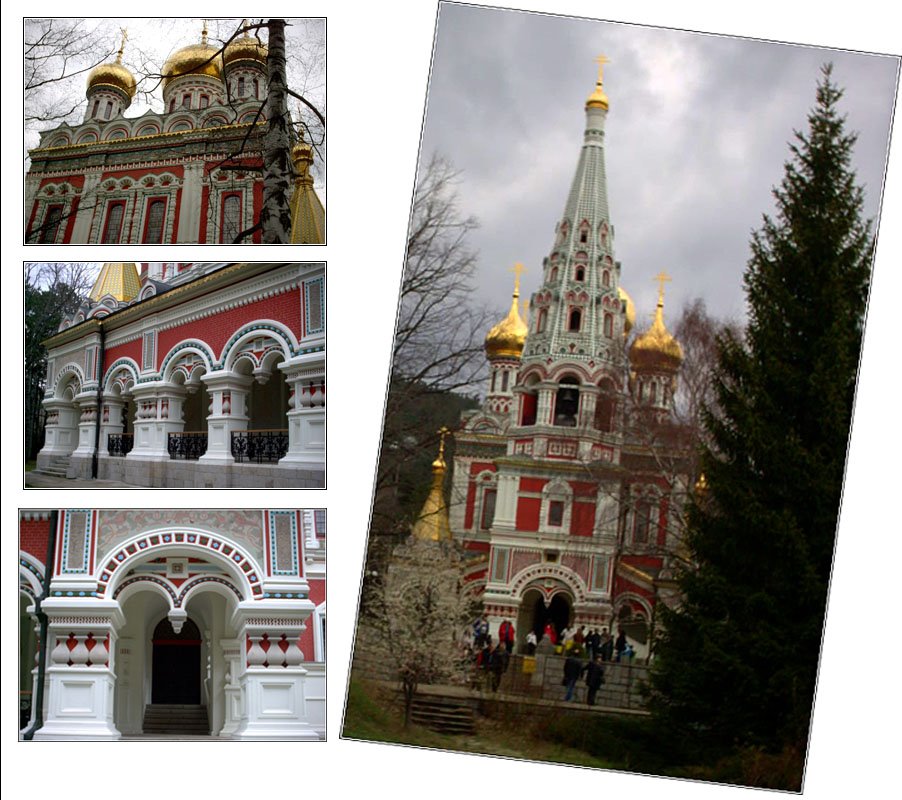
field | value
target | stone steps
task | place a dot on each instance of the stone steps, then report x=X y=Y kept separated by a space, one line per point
x=188 y=720
x=442 y=714
x=57 y=466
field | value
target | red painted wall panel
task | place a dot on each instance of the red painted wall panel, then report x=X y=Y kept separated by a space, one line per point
x=528 y=509
x=582 y=519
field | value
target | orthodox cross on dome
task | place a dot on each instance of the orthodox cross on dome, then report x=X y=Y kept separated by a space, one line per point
x=518 y=269
x=601 y=61
x=122 y=45
x=442 y=432
x=662 y=278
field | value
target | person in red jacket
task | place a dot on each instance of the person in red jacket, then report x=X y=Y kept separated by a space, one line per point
x=506 y=635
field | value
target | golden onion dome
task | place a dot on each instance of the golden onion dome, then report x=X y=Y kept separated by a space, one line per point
x=656 y=348
x=507 y=338
x=195 y=59
x=247 y=48
x=433 y=525
x=630 y=320
x=598 y=99
x=113 y=75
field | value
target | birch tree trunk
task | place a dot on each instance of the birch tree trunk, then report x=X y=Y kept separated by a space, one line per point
x=275 y=217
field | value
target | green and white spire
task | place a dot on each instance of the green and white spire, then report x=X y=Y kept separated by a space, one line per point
x=579 y=312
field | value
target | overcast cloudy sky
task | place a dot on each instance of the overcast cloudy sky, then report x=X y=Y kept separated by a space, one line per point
x=696 y=137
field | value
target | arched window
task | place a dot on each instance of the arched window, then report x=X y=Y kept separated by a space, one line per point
x=172 y=105
x=542 y=320
x=487 y=515
x=186 y=101
x=606 y=278
x=256 y=89
x=528 y=408
x=504 y=379
x=653 y=393
x=574 y=321
x=566 y=404
x=608 y=325
x=553 y=276
x=153 y=226
x=231 y=218
x=580 y=273
x=494 y=375
x=241 y=87
x=96 y=107
x=204 y=101
x=108 y=110
x=642 y=521
x=113 y=228
x=51 y=224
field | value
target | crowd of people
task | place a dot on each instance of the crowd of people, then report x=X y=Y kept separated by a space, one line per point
x=490 y=658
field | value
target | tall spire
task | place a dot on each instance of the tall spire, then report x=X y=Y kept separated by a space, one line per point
x=432 y=524
x=578 y=312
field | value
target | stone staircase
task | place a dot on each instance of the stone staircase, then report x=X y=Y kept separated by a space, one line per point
x=442 y=714
x=57 y=466
x=189 y=720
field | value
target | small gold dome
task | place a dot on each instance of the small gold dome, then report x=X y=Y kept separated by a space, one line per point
x=598 y=99
x=507 y=338
x=630 y=310
x=302 y=157
x=433 y=524
x=115 y=75
x=246 y=48
x=195 y=59
x=656 y=348
x=119 y=279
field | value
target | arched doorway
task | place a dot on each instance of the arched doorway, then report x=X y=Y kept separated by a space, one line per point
x=535 y=614
x=176 y=664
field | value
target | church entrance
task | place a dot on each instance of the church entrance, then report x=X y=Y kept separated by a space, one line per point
x=536 y=615
x=176 y=664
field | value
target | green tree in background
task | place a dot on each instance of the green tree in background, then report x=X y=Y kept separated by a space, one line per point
x=737 y=665
x=52 y=290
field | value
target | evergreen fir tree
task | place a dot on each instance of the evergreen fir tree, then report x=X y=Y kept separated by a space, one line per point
x=738 y=663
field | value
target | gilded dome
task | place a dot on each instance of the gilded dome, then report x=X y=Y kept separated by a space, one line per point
x=246 y=48
x=119 y=279
x=598 y=99
x=195 y=59
x=656 y=348
x=630 y=310
x=507 y=338
x=115 y=75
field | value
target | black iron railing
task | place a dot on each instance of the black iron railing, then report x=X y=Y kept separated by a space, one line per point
x=189 y=445
x=120 y=444
x=259 y=446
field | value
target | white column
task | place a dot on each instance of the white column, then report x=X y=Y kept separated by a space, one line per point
x=506 y=502
x=189 y=214
x=110 y=422
x=85 y=214
x=87 y=425
x=158 y=412
x=228 y=395
x=306 y=415
x=81 y=680
x=61 y=431
x=233 y=653
x=274 y=680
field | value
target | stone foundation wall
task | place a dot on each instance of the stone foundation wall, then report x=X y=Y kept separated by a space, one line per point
x=192 y=474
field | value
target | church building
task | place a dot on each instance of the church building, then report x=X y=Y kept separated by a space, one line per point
x=568 y=482
x=191 y=375
x=189 y=174
x=161 y=622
